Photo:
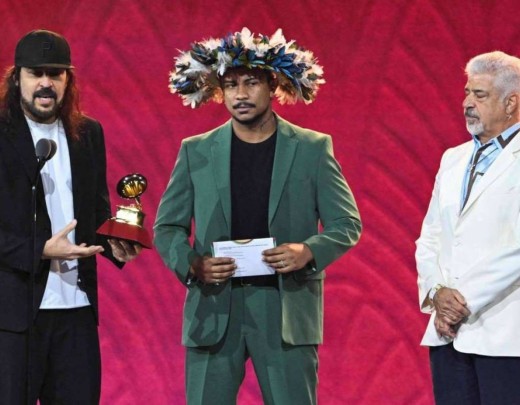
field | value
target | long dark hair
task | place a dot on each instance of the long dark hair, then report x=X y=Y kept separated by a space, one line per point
x=69 y=112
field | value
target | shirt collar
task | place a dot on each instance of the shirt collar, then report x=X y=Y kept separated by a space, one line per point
x=501 y=139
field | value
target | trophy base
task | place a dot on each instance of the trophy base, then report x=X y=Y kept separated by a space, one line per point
x=120 y=230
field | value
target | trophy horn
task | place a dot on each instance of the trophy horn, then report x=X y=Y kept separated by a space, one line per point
x=132 y=186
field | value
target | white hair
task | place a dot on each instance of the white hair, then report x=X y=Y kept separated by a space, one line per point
x=504 y=68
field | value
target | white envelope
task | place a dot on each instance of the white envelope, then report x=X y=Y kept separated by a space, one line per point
x=247 y=254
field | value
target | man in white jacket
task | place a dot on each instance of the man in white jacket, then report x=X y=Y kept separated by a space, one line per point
x=468 y=254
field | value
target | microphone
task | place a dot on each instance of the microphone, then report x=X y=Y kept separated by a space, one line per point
x=45 y=150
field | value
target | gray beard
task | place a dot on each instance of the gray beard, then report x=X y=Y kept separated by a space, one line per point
x=475 y=129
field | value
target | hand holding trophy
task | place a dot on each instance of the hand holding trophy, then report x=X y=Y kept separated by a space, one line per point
x=129 y=220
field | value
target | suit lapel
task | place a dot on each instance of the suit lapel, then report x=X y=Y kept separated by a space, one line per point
x=504 y=160
x=454 y=178
x=221 y=163
x=76 y=155
x=21 y=138
x=286 y=144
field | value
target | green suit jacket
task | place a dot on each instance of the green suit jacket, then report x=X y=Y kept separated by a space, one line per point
x=307 y=190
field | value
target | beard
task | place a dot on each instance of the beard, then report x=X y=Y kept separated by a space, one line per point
x=39 y=114
x=257 y=118
x=475 y=129
x=248 y=121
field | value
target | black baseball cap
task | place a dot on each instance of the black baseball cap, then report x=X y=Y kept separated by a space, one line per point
x=41 y=48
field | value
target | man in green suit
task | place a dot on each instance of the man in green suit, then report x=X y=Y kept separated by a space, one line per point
x=257 y=176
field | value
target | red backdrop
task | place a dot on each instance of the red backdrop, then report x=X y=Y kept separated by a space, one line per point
x=392 y=101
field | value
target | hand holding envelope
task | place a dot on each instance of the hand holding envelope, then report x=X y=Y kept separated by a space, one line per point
x=252 y=257
x=288 y=257
x=248 y=255
x=213 y=270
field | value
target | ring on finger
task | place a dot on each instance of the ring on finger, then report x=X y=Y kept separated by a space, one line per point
x=282 y=263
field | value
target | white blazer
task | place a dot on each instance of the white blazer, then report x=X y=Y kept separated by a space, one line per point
x=476 y=251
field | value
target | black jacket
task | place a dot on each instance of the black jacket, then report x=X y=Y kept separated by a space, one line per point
x=18 y=253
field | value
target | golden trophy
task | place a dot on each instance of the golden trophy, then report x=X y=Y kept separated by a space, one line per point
x=129 y=220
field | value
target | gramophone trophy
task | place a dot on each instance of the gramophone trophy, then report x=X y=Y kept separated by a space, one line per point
x=128 y=222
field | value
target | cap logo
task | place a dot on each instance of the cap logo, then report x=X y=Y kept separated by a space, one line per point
x=46 y=46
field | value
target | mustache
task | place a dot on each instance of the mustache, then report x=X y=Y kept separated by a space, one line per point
x=243 y=104
x=469 y=114
x=47 y=92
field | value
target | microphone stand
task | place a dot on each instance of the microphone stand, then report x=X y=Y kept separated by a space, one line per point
x=32 y=280
x=45 y=150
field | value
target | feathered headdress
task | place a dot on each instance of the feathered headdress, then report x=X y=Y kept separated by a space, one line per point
x=197 y=71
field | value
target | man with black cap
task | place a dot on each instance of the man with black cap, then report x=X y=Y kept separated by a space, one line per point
x=49 y=347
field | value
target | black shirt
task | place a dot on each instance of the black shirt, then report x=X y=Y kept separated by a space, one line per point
x=251 y=170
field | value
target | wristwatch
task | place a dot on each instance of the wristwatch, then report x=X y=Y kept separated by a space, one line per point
x=434 y=290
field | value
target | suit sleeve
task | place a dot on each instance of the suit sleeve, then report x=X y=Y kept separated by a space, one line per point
x=338 y=212
x=172 y=227
x=428 y=248
x=103 y=211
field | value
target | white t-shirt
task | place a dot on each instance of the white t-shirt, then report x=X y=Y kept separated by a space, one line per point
x=62 y=289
